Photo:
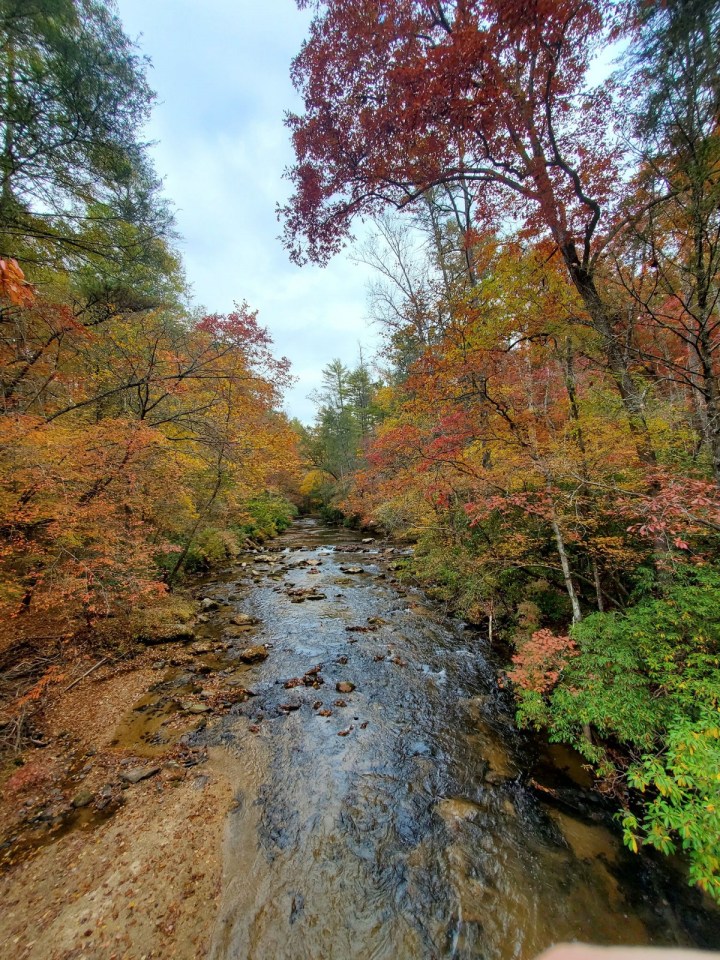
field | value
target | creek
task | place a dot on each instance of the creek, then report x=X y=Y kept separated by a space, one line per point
x=407 y=818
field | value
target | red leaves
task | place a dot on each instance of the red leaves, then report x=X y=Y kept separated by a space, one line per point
x=404 y=96
x=540 y=661
x=676 y=510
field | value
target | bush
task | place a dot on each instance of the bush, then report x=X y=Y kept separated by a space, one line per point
x=647 y=681
x=211 y=546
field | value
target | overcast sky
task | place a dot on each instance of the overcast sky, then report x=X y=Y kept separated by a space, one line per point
x=221 y=72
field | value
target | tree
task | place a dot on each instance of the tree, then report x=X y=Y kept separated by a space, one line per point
x=73 y=98
x=491 y=95
x=668 y=258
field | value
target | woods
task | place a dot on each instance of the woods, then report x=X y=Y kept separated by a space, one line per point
x=547 y=243
x=139 y=436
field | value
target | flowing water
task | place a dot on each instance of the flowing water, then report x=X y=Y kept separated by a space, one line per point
x=404 y=824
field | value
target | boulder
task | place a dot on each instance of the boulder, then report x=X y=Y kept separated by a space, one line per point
x=254 y=654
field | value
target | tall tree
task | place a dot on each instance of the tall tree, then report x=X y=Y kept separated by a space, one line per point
x=405 y=96
x=668 y=259
x=73 y=98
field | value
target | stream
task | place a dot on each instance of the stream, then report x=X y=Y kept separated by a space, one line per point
x=397 y=820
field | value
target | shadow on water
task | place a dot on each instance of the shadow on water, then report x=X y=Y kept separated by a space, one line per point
x=395 y=820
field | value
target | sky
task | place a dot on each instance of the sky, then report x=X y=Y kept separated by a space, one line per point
x=220 y=69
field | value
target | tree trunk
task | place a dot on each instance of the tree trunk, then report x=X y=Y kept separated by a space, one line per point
x=631 y=395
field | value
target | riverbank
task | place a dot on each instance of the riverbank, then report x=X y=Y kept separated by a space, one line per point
x=97 y=863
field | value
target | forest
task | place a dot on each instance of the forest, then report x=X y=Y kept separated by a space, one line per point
x=142 y=437
x=535 y=187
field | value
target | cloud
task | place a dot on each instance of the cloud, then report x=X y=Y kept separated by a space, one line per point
x=221 y=71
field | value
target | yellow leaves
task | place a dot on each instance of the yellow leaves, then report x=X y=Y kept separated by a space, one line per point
x=312 y=482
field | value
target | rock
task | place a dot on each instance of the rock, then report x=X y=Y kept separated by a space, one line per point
x=207 y=603
x=196 y=708
x=456 y=811
x=351 y=569
x=295 y=682
x=82 y=798
x=170 y=633
x=324 y=713
x=317 y=704
x=313 y=680
x=345 y=686
x=368 y=540
x=136 y=774
x=244 y=619
x=342 y=660
x=201 y=647
x=290 y=706
x=254 y=654
x=340 y=703
x=238 y=630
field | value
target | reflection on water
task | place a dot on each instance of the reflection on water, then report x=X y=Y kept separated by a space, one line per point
x=395 y=821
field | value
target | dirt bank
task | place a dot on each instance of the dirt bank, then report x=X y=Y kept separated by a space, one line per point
x=94 y=864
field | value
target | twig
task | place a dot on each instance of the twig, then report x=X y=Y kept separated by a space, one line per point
x=86 y=674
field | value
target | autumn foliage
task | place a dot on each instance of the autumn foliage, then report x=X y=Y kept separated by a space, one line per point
x=122 y=442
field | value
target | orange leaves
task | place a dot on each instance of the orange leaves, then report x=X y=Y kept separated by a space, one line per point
x=13 y=285
x=540 y=661
x=119 y=437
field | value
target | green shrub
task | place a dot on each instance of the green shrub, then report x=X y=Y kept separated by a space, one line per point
x=268 y=515
x=648 y=681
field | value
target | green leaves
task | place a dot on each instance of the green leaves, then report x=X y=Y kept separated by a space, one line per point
x=649 y=681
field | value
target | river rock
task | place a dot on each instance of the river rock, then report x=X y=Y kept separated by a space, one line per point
x=238 y=630
x=195 y=707
x=351 y=569
x=207 y=603
x=290 y=706
x=344 y=686
x=202 y=647
x=254 y=654
x=82 y=798
x=136 y=774
x=455 y=811
x=244 y=620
